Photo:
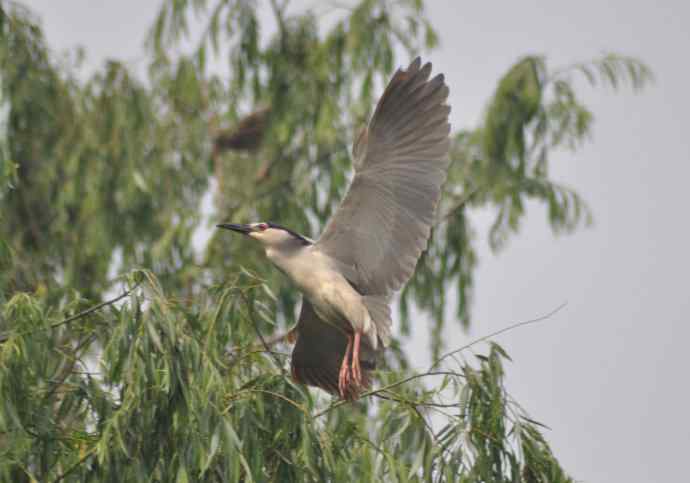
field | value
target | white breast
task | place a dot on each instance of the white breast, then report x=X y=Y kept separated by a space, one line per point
x=332 y=296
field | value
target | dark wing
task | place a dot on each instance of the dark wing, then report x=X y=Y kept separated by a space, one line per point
x=383 y=224
x=319 y=351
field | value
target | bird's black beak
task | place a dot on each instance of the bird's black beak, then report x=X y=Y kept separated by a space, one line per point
x=244 y=229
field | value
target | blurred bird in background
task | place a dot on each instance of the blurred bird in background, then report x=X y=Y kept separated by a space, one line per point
x=370 y=247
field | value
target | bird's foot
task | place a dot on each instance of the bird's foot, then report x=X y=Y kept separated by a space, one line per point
x=350 y=377
x=344 y=378
x=356 y=367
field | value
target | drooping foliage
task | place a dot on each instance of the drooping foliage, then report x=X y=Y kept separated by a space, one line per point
x=156 y=389
x=184 y=377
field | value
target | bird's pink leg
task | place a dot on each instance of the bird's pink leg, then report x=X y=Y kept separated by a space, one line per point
x=356 y=369
x=344 y=377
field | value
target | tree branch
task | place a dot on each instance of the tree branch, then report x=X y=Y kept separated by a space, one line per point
x=250 y=309
x=431 y=372
x=459 y=205
x=374 y=392
x=95 y=308
x=81 y=461
x=498 y=332
x=5 y=336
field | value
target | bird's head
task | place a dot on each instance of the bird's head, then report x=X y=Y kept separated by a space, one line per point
x=269 y=234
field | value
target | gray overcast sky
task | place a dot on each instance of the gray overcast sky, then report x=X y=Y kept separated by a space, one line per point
x=609 y=372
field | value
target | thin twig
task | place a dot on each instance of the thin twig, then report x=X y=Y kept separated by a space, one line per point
x=426 y=423
x=498 y=332
x=240 y=394
x=426 y=404
x=4 y=337
x=69 y=367
x=460 y=204
x=430 y=372
x=414 y=406
x=95 y=308
x=274 y=339
x=250 y=309
x=81 y=461
x=374 y=392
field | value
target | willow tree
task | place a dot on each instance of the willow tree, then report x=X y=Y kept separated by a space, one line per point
x=132 y=349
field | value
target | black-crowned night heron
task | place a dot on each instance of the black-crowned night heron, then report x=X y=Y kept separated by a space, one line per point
x=371 y=245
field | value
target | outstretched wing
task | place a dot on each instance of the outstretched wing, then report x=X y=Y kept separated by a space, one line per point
x=401 y=159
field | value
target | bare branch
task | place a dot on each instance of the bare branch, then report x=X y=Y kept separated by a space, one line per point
x=498 y=332
x=459 y=205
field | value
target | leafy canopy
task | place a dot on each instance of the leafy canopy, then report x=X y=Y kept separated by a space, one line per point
x=182 y=377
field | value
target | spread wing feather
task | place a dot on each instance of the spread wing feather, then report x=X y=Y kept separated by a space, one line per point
x=383 y=224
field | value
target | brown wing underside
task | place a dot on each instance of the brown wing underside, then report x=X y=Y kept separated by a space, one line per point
x=319 y=352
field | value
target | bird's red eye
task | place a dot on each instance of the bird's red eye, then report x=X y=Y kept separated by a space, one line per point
x=262 y=226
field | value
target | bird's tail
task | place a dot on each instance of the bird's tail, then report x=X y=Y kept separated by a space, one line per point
x=326 y=378
x=318 y=355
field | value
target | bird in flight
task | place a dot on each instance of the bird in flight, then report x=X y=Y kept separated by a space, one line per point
x=370 y=247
